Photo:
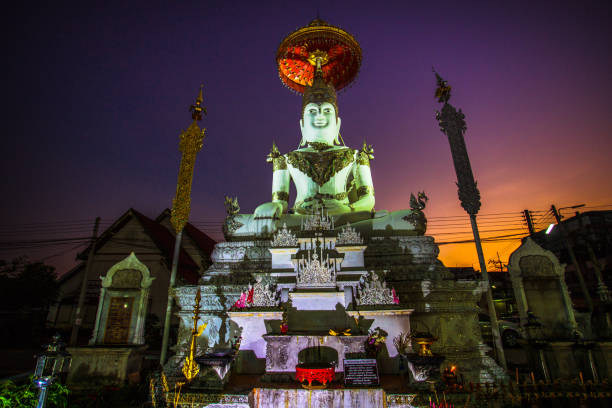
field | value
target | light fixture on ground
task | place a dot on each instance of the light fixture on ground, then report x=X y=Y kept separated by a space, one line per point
x=51 y=364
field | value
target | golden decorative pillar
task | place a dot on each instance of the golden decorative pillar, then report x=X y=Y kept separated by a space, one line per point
x=190 y=367
x=189 y=145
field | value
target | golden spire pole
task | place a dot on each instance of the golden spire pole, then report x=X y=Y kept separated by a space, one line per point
x=189 y=145
x=190 y=367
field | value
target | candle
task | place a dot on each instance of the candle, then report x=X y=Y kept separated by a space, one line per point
x=532 y=378
x=581 y=379
x=517 y=375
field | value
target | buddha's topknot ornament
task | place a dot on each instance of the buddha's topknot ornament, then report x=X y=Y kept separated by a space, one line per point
x=319 y=92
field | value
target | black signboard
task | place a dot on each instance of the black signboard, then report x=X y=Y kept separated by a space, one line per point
x=360 y=372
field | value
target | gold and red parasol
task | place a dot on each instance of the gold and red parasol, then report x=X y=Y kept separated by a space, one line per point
x=318 y=44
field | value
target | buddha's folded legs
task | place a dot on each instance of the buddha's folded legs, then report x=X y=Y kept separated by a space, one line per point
x=402 y=222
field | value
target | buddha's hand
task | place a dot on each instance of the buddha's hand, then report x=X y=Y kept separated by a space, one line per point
x=269 y=210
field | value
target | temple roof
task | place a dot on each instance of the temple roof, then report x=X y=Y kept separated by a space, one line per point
x=162 y=238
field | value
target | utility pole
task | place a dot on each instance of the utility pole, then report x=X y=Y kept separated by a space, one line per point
x=499 y=265
x=452 y=124
x=189 y=145
x=78 y=318
x=568 y=244
x=529 y=220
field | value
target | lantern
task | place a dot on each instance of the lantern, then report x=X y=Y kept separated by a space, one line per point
x=52 y=363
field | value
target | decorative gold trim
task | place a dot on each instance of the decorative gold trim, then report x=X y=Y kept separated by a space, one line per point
x=372 y=313
x=274 y=153
x=319 y=55
x=280 y=195
x=323 y=196
x=277 y=159
x=366 y=153
x=189 y=145
x=364 y=191
x=318 y=29
x=279 y=164
x=318 y=146
x=363 y=159
x=321 y=166
x=190 y=367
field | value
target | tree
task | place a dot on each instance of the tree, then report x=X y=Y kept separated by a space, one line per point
x=27 y=289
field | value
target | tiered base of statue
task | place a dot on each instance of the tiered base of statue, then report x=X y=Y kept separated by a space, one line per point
x=318 y=296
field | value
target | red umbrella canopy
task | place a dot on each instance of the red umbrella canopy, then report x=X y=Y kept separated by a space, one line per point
x=337 y=51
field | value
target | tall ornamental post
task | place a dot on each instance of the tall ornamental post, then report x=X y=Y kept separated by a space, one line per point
x=189 y=145
x=452 y=124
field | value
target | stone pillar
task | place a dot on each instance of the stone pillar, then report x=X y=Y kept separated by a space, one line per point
x=519 y=296
x=348 y=296
x=284 y=295
x=96 y=330
x=142 y=316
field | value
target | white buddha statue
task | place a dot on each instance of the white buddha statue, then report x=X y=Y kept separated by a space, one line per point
x=328 y=177
x=325 y=175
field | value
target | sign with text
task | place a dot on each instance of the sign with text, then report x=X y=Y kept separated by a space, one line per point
x=360 y=372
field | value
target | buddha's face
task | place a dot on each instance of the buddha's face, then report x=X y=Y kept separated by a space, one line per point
x=320 y=123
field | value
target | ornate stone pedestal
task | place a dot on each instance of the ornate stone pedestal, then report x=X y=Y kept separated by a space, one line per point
x=429 y=295
x=347 y=398
x=282 y=352
x=424 y=368
x=93 y=366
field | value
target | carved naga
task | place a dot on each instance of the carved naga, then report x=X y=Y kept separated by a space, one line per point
x=416 y=216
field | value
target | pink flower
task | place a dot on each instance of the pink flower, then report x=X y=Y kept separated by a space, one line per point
x=395 y=297
x=241 y=303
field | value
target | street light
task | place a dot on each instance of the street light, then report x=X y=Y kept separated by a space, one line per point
x=571 y=206
x=558 y=212
x=50 y=364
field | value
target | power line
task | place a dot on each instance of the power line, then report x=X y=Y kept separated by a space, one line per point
x=514 y=215
x=447 y=225
x=488 y=239
x=482 y=232
x=62 y=252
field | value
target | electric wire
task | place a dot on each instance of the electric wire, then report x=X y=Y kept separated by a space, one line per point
x=45 y=235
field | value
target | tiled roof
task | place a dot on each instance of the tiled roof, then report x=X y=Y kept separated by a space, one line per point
x=163 y=240
x=187 y=268
x=206 y=243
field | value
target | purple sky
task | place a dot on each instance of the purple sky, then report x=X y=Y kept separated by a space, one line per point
x=97 y=94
